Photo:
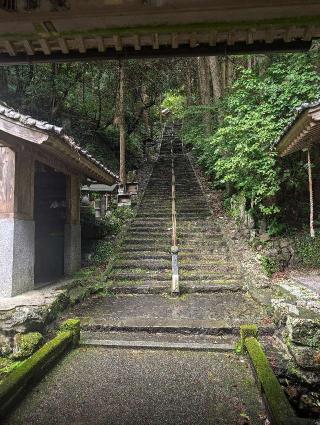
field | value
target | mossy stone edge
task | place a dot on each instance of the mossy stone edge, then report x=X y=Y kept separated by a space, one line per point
x=278 y=405
x=31 y=370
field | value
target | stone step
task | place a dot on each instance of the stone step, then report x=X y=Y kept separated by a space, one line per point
x=152 y=255
x=142 y=277
x=149 y=288
x=142 y=239
x=213 y=266
x=143 y=264
x=214 y=313
x=154 y=345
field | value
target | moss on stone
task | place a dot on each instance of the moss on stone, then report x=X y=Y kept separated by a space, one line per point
x=280 y=408
x=248 y=331
x=32 y=369
x=73 y=326
x=26 y=344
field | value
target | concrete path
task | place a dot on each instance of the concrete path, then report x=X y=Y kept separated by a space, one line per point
x=134 y=387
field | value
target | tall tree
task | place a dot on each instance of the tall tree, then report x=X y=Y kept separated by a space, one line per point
x=121 y=123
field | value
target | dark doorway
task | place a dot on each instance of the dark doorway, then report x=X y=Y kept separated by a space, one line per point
x=50 y=218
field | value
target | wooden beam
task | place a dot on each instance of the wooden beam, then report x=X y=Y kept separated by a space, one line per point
x=250 y=36
x=289 y=34
x=269 y=36
x=230 y=38
x=28 y=47
x=174 y=40
x=312 y=233
x=73 y=199
x=10 y=48
x=63 y=45
x=100 y=44
x=81 y=45
x=7 y=181
x=117 y=43
x=155 y=43
x=308 y=33
x=137 y=45
x=213 y=38
x=45 y=46
x=193 y=40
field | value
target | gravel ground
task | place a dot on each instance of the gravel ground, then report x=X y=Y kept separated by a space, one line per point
x=133 y=387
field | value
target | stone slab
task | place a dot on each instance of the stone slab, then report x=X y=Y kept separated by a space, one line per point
x=37 y=297
x=226 y=309
x=144 y=387
x=157 y=345
x=16 y=256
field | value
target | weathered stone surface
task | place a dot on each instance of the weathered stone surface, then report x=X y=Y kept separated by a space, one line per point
x=304 y=331
x=5 y=345
x=25 y=319
x=306 y=357
x=134 y=387
x=26 y=344
x=281 y=310
x=16 y=256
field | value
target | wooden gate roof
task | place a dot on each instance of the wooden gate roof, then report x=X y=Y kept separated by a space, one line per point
x=302 y=132
x=49 y=30
x=18 y=128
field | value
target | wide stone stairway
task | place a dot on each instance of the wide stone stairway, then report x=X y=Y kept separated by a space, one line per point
x=147 y=357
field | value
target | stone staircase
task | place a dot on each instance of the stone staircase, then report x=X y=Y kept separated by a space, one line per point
x=213 y=302
x=144 y=262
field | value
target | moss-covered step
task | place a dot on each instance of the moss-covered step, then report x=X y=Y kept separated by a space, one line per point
x=278 y=405
x=31 y=370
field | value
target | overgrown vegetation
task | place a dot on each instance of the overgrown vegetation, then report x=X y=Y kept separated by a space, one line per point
x=102 y=232
x=237 y=150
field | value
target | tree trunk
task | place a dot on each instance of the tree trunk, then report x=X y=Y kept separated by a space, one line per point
x=215 y=71
x=121 y=122
x=312 y=233
x=204 y=85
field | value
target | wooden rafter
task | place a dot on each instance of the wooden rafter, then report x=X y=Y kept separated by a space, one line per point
x=10 y=48
x=45 y=46
x=100 y=44
x=63 y=45
x=155 y=41
x=117 y=43
x=28 y=47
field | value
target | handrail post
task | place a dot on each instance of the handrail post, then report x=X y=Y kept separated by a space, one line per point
x=175 y=289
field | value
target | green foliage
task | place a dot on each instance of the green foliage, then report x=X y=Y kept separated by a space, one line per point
x=251 y=117
x=307 y=250
x=175 y=102
x=275 y=228
x=269 y=265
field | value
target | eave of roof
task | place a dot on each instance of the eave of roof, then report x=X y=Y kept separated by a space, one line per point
x=301 y=131
x=51 y=130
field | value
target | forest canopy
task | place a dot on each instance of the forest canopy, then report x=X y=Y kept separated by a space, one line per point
x=232 y=110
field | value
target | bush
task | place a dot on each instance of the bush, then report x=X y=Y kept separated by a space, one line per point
x=307 y=250
x=246 y=123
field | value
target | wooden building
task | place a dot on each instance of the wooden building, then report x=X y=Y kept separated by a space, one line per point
x=50 y=30
x=40 y=173
x=301 y=134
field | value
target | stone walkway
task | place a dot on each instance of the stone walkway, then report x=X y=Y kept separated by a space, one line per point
x=98 y=386
x=188 y=372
